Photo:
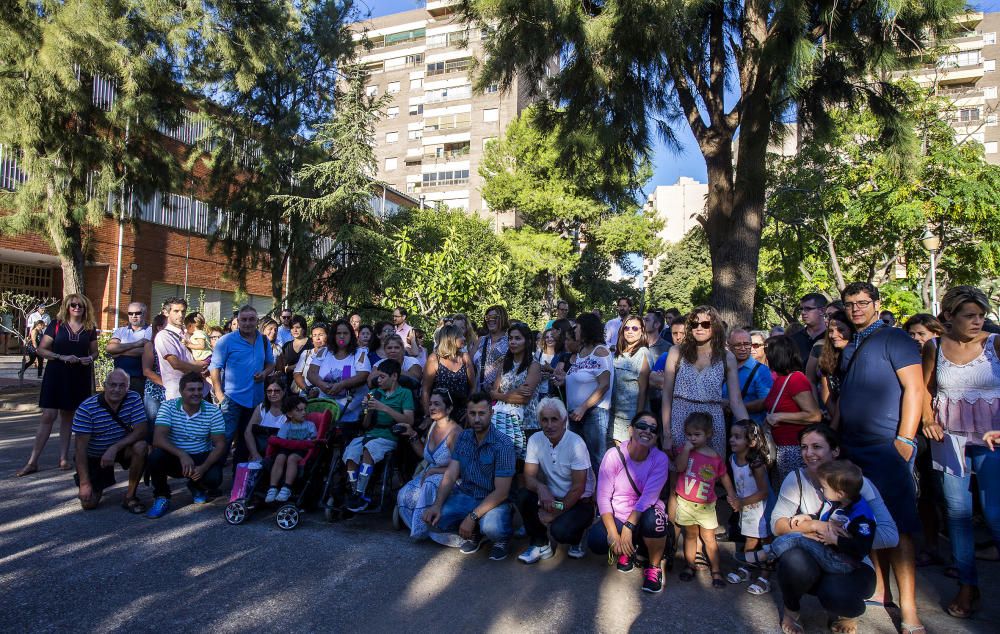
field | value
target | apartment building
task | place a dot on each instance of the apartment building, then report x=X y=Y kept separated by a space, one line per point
x=678 y=206
x=966 y=75
x=431 y=140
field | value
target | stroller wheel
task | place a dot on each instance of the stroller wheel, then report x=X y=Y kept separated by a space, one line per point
x=287 y=517
x=236 y=512
x=397 y=522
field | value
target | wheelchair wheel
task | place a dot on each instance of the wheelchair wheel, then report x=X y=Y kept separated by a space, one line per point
x=397 y=521
x=287 y=517
x=236 y=512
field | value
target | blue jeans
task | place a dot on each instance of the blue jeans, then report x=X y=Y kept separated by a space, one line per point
x=958 y=500
x=494 y=526
x=237 y=417
x=594 y=431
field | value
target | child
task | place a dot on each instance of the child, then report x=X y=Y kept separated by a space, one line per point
x=748 y=463
x=31 y=345
x=388 y=406
x=696 y=494
x=841 y=482
x=286 y=461
x=197 y=341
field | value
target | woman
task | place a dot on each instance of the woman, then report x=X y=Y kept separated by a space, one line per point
x=841 y=595
x=267 y=418
x=514 y=391
x=393 y=346
x=491 y=348
x=839 y=331
x=339 y=370
x=365 y=336
x=693 y=378
x=962 y=371
x=923 y=327
x=317 y=338
x=355 y=321
x=791 y=404
x=633 y=520
x=587 y=379
x=233 y=325
x=269 y=328
x=420 y=492
x=290 y=352
x=70 y=346
x=154 y=391
x=383 y=330
x=552 y=346
x=449 y=368
x=632 y=366
x=463 y=323
x=757 y=339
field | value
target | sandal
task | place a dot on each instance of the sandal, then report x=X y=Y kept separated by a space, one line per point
x=955 y=610
x=701 y=560
x=791 y=628
x=27 y=469
x=740 y=575
x=133 y=506
x=759 y=587
x=688 y=573
x=843 y=625
x=717 y=582
x=906 y=628
x=754 y=557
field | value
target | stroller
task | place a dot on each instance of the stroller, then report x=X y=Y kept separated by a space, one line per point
x=312 y=465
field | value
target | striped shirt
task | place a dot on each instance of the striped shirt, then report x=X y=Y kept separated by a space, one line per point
x=481 y=463
x=191 y=434
x=94 y=419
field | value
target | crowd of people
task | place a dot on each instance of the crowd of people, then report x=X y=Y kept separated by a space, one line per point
x=620 y=438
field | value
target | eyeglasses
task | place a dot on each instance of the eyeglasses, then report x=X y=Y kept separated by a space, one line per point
x=861 y=304
x=740 y=345
x=806 y=309
x=632 y=328
x=286 y=316
x=75 y=305
x=641 y=426
x=756 y=346
x=135 y=314
x=704 y=325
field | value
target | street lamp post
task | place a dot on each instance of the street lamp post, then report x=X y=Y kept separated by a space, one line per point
x=932 y=242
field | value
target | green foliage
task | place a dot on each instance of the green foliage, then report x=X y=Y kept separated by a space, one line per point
x=684 y=278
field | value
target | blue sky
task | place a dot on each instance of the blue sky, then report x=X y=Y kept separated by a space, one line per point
x=668 y=165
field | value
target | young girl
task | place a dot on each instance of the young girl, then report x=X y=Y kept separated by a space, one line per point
x=702 y=468
x=197 y=340
x=748 y=463
x=286 y=461
x=514 y=389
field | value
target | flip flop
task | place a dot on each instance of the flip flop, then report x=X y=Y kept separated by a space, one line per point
x=27 y=469
x=134 y=506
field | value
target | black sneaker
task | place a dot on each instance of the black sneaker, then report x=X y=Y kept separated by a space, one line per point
x=499 y=551
x=470 y=546
x=652 y=579
x=625 y=563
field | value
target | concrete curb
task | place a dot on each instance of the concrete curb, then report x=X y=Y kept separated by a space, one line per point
x=20 y=407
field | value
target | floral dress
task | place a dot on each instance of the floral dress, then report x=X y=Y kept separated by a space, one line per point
x=514 y=419
x=699 y=391
x=417 y=495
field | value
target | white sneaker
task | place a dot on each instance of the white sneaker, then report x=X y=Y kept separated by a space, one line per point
x=284 y=494
x=578 y=551
x=535 y=554
x=271 y=494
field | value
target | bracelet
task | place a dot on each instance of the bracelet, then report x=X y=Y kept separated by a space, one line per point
x=630 y=526
x=908 y=441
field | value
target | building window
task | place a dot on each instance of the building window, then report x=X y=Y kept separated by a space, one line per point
x=448 y=94
x=382 y=41
x=990 y=92
x=991 y=119
x=448 y=122
x=392 y=88
x=374 y=67
x=390 y=163
x=491 y=114
x=416 y=84
x=414 y=60
x=371 y=91
x=451 y=66
x=964 y=58
x=968 y=114
x=991 y=147
x=392 y=137
x=492 y=88
x=989 y=65
x=990 y=39
x=446 y=179
x=392 y=112
x=413 y=135
x=417 y=108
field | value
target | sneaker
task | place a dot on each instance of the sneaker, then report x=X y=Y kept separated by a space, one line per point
x=470 y=546
x=283 y=495
x=271 y=494
x=653 y=579
x=199 y=496
x=499 y=551
x=625 y=563
x=358 y=503
x=535 y=554
x=159 y=508
x=578 y=551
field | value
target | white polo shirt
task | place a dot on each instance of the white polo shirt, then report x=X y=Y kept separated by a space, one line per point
x=558 y=463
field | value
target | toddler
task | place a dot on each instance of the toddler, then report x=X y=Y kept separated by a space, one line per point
x=286 y=461
x=748 y=463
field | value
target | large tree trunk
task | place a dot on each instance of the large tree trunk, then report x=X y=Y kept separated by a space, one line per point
x=67 y=238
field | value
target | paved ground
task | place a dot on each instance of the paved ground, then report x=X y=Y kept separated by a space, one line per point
x=62 y=570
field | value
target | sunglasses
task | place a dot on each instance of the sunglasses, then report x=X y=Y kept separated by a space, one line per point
x=75 y=305
x=632 y=328
x=704 y=325
x=444 y=394
x=135 y=314
x=641 y=426
x=756 y=346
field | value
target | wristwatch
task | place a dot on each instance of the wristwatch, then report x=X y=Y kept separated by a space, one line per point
x=630 y=526
x=473 y=516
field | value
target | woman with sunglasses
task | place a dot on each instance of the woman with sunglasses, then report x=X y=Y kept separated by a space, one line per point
x=757 y=339
x=632 y=366
x=70 y=346
x=420 y=492
x=267 y=418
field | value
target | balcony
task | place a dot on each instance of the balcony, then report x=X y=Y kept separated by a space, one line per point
x=449 y=67
x=441 y=8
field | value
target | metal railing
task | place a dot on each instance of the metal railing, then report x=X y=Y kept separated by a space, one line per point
x=11 y=174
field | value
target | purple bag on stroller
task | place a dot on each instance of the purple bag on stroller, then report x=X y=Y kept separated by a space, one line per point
x=244 y=480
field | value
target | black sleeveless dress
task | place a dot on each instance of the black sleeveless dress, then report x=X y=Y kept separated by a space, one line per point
x=64 y=385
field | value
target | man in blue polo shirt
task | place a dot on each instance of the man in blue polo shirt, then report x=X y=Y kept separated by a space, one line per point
x=110 y=427
x=755 y=378
x=246 y=357
x=473 y=495
x=189 y=442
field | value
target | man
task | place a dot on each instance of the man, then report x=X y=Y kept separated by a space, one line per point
x=557 y=500
x=189 y=441
x=678 y=328
x=887 y=317
x=110 y=427
x=624 y=308
x=474 y=491
x=174 y=357
x=245 y=356
x=814 y=324
x=755 y=378
x=562 y=312
x=669 y=315
x=285 y=328
x=405 y=331
x=653 y=325
x=39 y=314
x=881 y=398
x=128 y=342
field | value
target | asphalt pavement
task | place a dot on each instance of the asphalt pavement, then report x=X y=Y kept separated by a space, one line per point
x=62 y=569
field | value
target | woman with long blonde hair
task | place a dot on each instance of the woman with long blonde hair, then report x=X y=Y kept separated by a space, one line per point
x=70 y=347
